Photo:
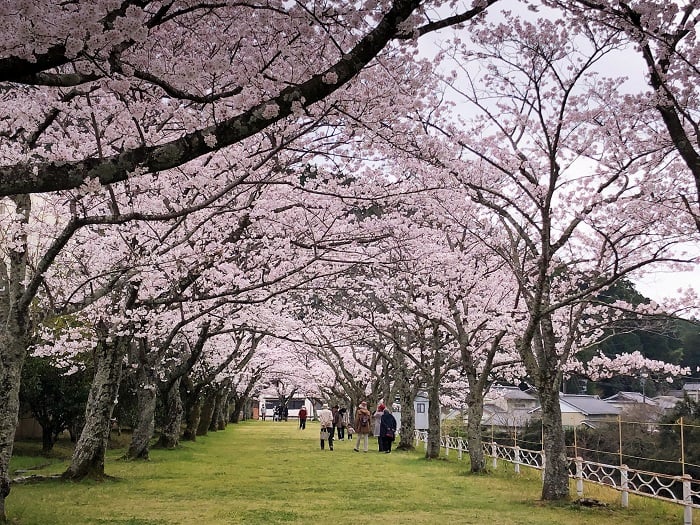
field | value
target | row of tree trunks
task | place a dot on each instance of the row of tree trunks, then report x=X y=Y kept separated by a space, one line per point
x=220 y=417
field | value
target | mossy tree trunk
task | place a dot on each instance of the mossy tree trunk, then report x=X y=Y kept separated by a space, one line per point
x=89 y=454
x=170 y=436
x=146 y=396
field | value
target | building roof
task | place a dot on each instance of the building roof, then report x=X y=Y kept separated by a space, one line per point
x=631 y=397
x=508 y=392
x=588 y=405
x=667 y=402
x=584 y=404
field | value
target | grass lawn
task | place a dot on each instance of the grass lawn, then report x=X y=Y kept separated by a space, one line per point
x=266 y=473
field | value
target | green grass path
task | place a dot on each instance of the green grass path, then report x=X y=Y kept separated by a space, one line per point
x=273 y=473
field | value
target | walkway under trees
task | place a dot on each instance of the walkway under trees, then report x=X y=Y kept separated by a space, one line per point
x=265 y=472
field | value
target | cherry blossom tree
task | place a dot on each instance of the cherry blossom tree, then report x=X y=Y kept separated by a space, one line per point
x=475 y=300
x=559 y=158
x=665 y=35
x=94 y=108
x=205 y=92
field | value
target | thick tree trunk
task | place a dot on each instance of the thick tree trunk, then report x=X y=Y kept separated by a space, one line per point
x=408 y=427
x=555 y=485
x=475 y=411
x=223 y=412
x=406 y=394
x=89 y=455
x=408 y=416
x=14 y=339
x=170 y=437
x=223 y=408
x=216 y=413
x=146 y=405
x=237 y=409
x=12 y=357
x=206 y=415
x=433 y=449
x=193 y=415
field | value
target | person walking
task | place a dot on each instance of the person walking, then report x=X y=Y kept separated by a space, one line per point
x=334 y=411
x=302 y=418
x=376 y=431
x=362 y=426
x=325 y=417
x=342 y=423
x=387 y=430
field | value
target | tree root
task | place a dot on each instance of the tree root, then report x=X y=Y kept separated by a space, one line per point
x=589 y=502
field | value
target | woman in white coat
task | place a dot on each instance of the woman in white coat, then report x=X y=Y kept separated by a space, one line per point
x=377 y=419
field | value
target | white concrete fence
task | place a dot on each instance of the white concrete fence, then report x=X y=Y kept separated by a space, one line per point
x=619 y=477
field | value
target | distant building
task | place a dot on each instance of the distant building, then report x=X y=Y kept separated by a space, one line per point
x=624 y=400
x=508 y=407
x=269 y=401
x=639 y=406
x=27 y=427
x=583 y=410
x=420 y=409
x=667 y=403
x=421 y=404
x=692 y=390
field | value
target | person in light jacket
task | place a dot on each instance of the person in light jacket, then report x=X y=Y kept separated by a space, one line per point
x=377 y=418
x=325 y=417
x=363 y=426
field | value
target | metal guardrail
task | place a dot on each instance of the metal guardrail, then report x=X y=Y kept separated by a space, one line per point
x=681 y=490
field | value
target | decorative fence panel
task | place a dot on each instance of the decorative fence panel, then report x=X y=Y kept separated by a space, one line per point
x=681 y=490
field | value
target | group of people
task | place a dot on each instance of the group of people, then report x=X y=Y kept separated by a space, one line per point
x=280 y=413
x=381 y=424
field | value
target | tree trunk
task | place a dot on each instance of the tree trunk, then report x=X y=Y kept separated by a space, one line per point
x=408 y=416
x=221 y=411
x=89 y=455
x=224 y=412
x=14 y=339
x=433 y=449
x=170 y=437
x=216 y=412
x=206 y=415
x=475 y=412
x=146 y=406
x=193 y=415
x=12 y=357
x=555 y=485
x=237 y=409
